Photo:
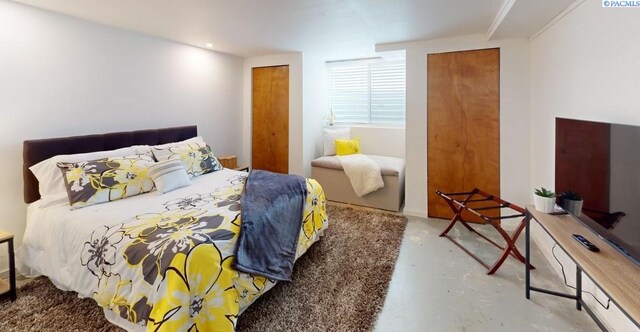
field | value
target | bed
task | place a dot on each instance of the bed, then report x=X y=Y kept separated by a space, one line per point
x=159 y=262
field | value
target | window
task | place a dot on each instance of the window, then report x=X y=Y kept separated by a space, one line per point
x=368 y=91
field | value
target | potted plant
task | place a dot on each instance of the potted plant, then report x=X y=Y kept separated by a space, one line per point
x=571 y=202
x=544 y=200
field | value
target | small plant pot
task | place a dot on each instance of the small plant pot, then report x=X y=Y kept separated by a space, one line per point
x=573 y=207
x=544 y=204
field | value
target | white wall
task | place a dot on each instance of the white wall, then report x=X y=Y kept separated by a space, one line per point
x=316 y=106
x=62 y=76
x=514 y=115
x=379 y=140
x=294 y=61
x=585 y=66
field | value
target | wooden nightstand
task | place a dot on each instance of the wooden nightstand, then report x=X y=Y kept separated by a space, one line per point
x=9 y=288
x=242 y=168
x=228 y=161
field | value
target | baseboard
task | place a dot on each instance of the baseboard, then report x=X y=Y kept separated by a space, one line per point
x=4 y=274
x=415 y=213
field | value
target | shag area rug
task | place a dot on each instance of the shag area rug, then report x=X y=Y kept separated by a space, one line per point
x=338 y=285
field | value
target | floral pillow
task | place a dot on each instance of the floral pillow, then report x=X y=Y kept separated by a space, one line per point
x=108 y=179
x=196 y=158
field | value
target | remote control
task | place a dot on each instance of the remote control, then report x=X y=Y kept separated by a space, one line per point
x=558 y=213
x=586 y=243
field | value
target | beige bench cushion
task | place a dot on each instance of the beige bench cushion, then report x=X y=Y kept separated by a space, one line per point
x=390 y=166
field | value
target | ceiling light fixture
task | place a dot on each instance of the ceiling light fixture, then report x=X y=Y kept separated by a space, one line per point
x=209 y=45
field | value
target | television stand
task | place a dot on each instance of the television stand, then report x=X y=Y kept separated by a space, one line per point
x=609 y=270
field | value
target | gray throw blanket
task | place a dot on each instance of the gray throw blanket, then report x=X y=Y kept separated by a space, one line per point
x=272 y=210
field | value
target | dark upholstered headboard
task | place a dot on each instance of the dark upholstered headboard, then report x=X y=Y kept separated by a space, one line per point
x=35 y=151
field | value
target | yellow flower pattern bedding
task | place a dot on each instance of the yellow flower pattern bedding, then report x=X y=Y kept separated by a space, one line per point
x=170 y=269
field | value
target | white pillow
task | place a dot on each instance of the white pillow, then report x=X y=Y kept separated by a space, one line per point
x=169 y=175
x=50 y=180
x=330 y=137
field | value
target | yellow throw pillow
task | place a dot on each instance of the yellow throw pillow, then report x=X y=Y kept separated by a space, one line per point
x=347 y=146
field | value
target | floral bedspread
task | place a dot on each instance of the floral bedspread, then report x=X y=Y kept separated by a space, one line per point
x=170 y=269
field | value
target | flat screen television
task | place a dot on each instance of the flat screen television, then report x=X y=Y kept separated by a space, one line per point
x=601 y=163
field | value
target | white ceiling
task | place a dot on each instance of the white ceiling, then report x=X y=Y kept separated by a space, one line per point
x=259 y=27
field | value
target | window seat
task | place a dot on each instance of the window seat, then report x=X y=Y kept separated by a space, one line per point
x=329 y=173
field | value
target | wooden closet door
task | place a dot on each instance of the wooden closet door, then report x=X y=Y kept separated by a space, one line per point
x=270 y=119
x=463 y=126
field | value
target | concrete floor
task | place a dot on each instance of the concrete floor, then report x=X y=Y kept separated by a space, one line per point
x=437 y=287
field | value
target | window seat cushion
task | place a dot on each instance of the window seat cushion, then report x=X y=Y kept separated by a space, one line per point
x=390 y=166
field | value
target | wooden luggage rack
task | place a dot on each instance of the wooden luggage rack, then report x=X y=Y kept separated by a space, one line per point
x=458 y=206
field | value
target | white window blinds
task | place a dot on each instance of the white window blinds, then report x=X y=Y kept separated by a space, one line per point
x=368 y=91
